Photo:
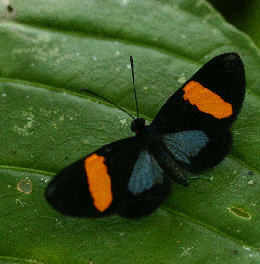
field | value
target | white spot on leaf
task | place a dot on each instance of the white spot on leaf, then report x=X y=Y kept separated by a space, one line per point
x=251 y=182
x=18 y=201
x=253 y=204
x=26 y=129
x=186 y=251
x=246 y=248
x=182 y=79
x=123 y=121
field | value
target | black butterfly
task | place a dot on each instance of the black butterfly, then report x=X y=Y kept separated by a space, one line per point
x=190 y=132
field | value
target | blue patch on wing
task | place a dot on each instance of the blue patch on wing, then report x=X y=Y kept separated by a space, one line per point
x=145 y=174
x=183 y=145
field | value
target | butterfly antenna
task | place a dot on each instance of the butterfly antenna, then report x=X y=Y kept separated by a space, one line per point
x=133 y=77
x=107 y=100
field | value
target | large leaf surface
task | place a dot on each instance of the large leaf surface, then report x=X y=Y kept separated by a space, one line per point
x=50 y=49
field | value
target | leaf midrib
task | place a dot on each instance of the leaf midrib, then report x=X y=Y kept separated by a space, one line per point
x=100 y=101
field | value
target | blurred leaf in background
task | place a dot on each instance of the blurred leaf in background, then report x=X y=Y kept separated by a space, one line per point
x=243 y=14
x=48 y=51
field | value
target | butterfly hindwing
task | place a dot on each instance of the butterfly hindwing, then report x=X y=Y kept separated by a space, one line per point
x=95 y=185
x=198 y=150
x=145 y=203
x=186 y=144
x=210 y=99
x=216 y=149
x=147 y=187
x=145 y=173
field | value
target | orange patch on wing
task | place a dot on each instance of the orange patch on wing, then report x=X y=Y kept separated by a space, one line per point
x=99 y=181
x=206 y=101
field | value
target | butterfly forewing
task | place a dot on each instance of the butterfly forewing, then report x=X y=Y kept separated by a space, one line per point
x=95 y=185
x=195 y=120
x=210 y=99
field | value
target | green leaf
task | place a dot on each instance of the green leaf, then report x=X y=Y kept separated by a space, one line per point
x=50 y=49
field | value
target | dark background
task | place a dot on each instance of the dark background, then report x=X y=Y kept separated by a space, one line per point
x=243 y=14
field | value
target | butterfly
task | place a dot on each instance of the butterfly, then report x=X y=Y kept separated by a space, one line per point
x=132 y=177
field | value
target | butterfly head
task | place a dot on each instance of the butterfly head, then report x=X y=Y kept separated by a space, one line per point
x=137 y=125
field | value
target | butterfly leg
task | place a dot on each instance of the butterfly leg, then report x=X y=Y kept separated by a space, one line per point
x=171 y=168
x=175 y=172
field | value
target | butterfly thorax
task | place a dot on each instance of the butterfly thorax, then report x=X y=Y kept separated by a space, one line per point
x=151 y=140
x=138 y=125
